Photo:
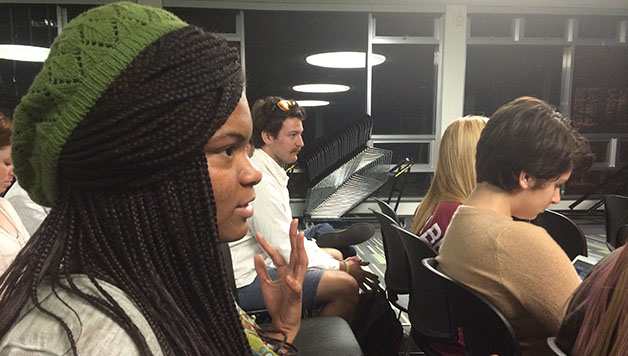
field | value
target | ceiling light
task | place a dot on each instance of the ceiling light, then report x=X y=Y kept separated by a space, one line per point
x=343 y=59
x=320 y=88
x=312 y=102
x=23 y=53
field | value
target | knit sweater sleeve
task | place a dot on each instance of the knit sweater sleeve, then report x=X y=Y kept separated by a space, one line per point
x=537 y=271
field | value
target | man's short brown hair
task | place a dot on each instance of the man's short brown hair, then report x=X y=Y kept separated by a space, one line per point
x=267 y=116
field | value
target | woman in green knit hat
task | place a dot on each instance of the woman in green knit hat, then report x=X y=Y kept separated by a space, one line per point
x=135 y=134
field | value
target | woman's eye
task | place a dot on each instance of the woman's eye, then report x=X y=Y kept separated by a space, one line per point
x=227 y=152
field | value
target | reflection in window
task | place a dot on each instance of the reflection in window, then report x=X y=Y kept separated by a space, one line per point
x=214 y=20
x=598 y=27
x=416 y=185
x=491 y=25
x=276 y=44
x=545 y=26
x=416 y=25
x=75 y=10
x=496 y=75
x=600 y=89
x=622 y=152
x=403 y=90
x=417 y=152
x=600 y=150
x=34 y=25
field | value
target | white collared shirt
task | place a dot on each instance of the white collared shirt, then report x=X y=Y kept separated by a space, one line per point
x=271 y=217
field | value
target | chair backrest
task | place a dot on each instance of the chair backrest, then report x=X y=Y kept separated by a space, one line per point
x=616 y=214
x=397 y=275
x=388 y=210
x=486 y=330
x=428 y=309
x=564 y=231
x=551 y=342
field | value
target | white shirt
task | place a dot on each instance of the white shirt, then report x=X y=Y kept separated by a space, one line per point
x=31 y=213
x=271 y=217
x=11 y=245
x=36 y=333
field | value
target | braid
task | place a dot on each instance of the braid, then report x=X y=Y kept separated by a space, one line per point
x=135 y=206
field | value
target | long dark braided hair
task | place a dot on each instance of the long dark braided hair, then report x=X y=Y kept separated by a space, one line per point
x=135 y=206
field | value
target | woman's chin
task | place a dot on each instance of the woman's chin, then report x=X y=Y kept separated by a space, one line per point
x=233 y=234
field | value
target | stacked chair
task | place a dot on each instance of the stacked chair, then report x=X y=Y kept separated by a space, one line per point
x=343 y=171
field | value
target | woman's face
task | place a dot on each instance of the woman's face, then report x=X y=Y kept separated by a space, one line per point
x=534 y=199
x=6 y=168
x=232 y=174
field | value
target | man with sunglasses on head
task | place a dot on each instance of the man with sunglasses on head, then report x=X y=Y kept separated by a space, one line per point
x=331 y=284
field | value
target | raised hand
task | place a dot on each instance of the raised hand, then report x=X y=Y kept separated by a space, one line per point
x=283 y=296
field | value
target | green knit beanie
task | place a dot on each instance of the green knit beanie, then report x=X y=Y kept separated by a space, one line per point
x=91 y=51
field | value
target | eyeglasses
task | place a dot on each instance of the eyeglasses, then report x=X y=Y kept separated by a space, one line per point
x=285 y=105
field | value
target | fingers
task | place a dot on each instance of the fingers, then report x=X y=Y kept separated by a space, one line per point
x=261 y=270
x=275 y=256
x=294 y=286
x=298 y=256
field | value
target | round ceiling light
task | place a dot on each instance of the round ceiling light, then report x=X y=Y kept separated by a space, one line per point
x=306 y=103
x=23 y=53
x=320 y=88
x=343 y=59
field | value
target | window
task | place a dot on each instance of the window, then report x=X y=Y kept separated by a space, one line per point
x=214 y=20
x=600 y=89
x=276 y=45
x=403 y=90
x=496 y=75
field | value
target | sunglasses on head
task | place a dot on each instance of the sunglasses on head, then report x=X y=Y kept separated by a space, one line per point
x=285 y=105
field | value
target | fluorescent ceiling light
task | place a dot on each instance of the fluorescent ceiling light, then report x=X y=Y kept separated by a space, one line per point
x=343 y=59
x=320 y=88
x=23 y=53
x=312 y=102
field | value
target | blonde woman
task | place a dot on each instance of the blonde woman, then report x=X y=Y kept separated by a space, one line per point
x=454 y=179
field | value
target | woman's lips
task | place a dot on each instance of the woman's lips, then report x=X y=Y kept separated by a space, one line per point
x=245 y=211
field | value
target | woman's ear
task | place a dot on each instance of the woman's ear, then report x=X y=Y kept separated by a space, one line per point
x=526 y=181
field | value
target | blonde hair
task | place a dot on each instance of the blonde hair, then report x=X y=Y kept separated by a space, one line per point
x=454 y=177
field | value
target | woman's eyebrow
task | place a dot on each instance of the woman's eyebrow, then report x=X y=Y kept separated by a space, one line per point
x=233 y=134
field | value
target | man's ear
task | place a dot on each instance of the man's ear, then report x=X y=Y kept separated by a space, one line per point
x=526 y=181
x=267 y=137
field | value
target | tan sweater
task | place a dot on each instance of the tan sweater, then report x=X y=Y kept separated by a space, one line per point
x=517 y=266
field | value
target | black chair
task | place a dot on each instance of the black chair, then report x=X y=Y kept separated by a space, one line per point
x=616 y=214
x=397 y=274
x=335 y=331
x=564 y=231
x=551 y=342
x=388 y=210
x=428 y=310
x=326 y=335
x=486 y=330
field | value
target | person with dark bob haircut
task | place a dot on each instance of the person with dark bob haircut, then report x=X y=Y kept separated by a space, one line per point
x=525 y=153
x=135 y=134
x=522 y=137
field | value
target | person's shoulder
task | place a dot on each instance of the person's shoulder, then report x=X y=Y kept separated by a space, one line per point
x=528 y=230
x=93 y=331
x=448 y=207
